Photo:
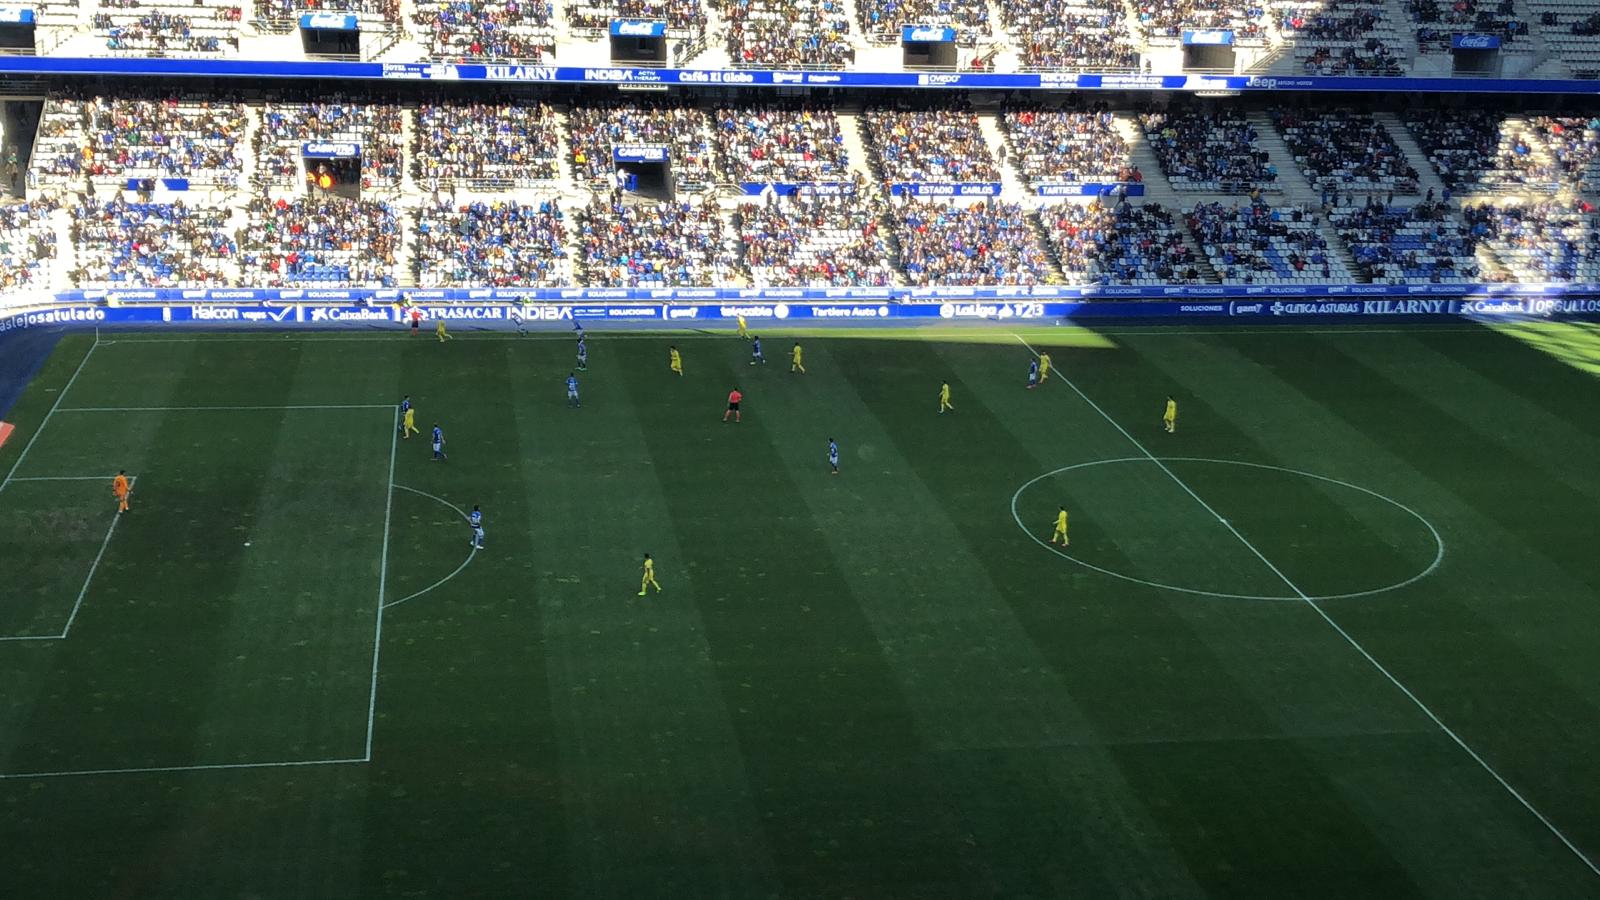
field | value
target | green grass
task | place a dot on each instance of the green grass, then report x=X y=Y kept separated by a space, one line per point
x=870 y=686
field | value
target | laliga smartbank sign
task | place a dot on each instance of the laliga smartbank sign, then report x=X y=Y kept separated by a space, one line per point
x=991 y=311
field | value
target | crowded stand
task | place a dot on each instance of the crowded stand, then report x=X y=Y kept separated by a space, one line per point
x=135 y=244
x=197 y=140
x=1347 y=38
x=599 y=126
x=27 y=244
x=882 y=20
x=486 y=146
x=792 y=143
x=1256 y=243
x=468 y=30
x=813 y=242
x=812 y=34
x=1121 y=243
x=1418 y=244
x=1344 y=150
x=1170 y=18
x=1067 y=146
x=683 y=17
x=500 y=243
x=324 y=241
x=961 y=244
x=661 y=244
x=1070 y=34
x=1553 y=240
x=133 y=28
x=1208 y=149
x=1571 y=144
x=283 y=15
x=1478 y=150
x=1437 y=20
x=286 y=127
x=938 y=144
x=1462 y=144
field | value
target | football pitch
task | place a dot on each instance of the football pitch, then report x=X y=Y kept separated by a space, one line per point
x=1335 y=637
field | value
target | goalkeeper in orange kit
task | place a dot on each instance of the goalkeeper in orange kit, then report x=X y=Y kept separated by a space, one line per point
x=121 y=488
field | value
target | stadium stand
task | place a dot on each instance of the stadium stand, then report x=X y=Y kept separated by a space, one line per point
x=486 y=146
x=597 y=127
x=1071 y=34
x=812 y=34
x=987 y=242
x=509 y=30
x=1122 y=243
x=814 y=242
x=1256 y=243
x=1170 y=18
x=27 y=244
x=135 y=28
x=1420 y=244
x=1478 y=150
x=1550 y=240
x=788 y=143
x=283 y=15
x=123 y=244
x=1437 y=20
x=936 y=144
x=1067 y=146
x=882 y=20
x=1204 y=148
x=326 y=241
x=654 y=244
x=1571 y=28
x=1345 y=150
x=683 y=17
x=1354 y=37
x=286 y=127
x=500 y=243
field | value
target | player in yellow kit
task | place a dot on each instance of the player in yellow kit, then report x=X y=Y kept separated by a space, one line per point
x=649 y=575
x=1061 y=527
x=743 y=331
x=441 y=331
x=794 y=360
x=944 y=398
x=1170 y=417
x=410 y=426
x=1044 y=367
x=675 y=359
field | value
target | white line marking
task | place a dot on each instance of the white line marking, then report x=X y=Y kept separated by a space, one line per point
x=383 y=581
x=1308 y=601
x=31 y=637
x=71 y=773
x=1438 y=541
x=64 y=478
x=53 y=408
x=118 y=409
x=84 y=591
x=459 y=569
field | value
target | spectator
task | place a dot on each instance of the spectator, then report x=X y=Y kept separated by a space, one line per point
x=327 y=240
x=1070 y=146
x=27 y=244
x=883 y=19
x=935 y=144
x=152 y=245
x=1549 y=241
x=813 y=241
x=1258 y=244
x=499 y=243
x=486 y=146
x=982 y=243
x=786 y=143
x=1346 y=150
x=683 y=17
x=459 y=31
x=1421 y=244
x=685 y=130
x=286 y=127
x=813 y=34
x=1208 y=149
x=656 y=245
x=1120 y=244
x=1071 y=34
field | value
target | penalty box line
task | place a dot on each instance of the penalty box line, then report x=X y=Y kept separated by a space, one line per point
x=1348 y=638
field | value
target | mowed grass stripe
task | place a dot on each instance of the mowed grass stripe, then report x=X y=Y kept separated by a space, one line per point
x=1199 y=670
x=464 y=774
x=983 y=694
x=133 y=690
x=851 y=803
x=1428 y=634
x=655 y=793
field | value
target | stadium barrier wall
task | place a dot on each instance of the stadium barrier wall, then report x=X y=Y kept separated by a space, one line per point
x=33 y=66
x=486 y=313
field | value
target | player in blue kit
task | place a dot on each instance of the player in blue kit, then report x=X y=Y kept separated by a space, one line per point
x=755 y=352
x=833 y=455
x=475 y=521
x=438 y=443
x=583 y=355
x=1033 y=374
x=572 y=390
